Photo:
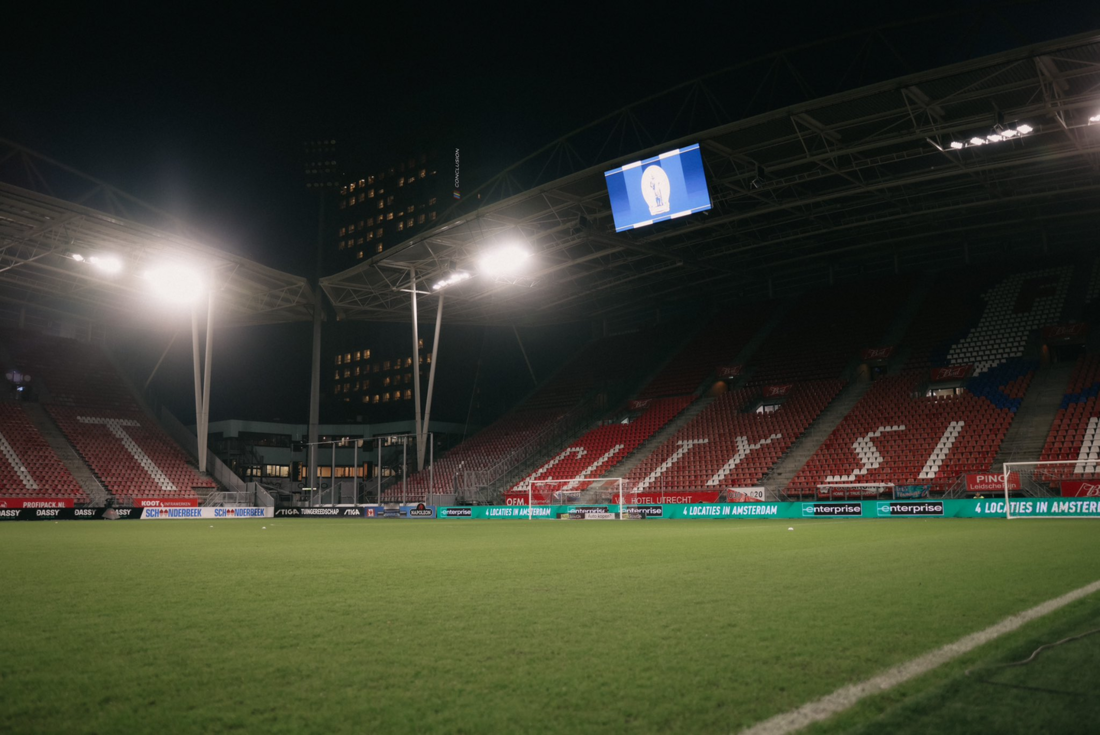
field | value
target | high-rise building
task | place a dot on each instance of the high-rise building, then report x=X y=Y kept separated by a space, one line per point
x=372 y=367
x=386 y=207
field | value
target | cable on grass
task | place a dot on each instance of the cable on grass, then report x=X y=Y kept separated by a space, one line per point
x=1034 y=655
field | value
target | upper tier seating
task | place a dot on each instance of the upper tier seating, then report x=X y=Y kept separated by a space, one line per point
x=28 y=466
x=1014 y=307
x=1075 y=434
x=826 y=330
x=897 y=435
x=598 y=452
x=725 y=447
x=602 y=361
x=717 y=345
x=74 y=373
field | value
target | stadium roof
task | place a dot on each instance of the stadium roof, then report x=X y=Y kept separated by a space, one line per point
x=48 y=212
x=842 y=186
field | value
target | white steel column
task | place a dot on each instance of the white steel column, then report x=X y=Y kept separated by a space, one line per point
x=205 y=426
x=198 y=379
x=416 y=371
x=315 y=387
x=431 y=383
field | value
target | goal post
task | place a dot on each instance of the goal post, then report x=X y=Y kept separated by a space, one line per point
x=857 y=490
x=1065 y=480
x=579 y=491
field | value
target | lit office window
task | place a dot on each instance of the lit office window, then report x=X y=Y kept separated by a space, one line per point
x=339 y=359
x=408 y=394
x=400 y=226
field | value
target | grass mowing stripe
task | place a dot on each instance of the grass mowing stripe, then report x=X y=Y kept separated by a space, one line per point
x=845 y=697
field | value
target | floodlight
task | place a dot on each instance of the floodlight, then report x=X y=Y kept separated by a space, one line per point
x=1008 y=133
x=77 y=257
x=175 y=283
x=450 y=279
x=106 y=263
x=994 y=138
x=977 y=141
x=504 y=260
x=957 y=144
x=1024 y=129
x=1094 y=119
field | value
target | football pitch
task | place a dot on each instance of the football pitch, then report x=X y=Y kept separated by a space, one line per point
x=537 y=626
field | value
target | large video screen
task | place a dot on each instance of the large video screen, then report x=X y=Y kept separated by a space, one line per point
x=666 y=186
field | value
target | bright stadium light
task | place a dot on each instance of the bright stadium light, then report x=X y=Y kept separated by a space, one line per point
x=1008 y=133
x=957 y=145
x=175 y=283
x=1094 y=119
x=450 y=279
x=106 y=263
x=977 y=141
x=503 y=261
x=77 y=257
x=1024 y=129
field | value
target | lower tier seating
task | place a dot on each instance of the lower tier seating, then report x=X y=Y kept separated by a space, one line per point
x=598 y=452
x=1075 y=434
x=28 y=466
x=511 y=439
x=129 y=453
x=729 y=444
x=896 y=434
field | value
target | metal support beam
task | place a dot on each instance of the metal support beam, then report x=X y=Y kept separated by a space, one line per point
x=198 y=379
x=204 y=427
x=431 y=381
x=524 y=353
x=315 y=386
x=416 y=372
x=155 y=367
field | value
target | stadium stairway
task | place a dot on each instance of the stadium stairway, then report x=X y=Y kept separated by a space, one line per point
x=97 y=494
x=650 y=444
x=811 y=440
x=1028 y=432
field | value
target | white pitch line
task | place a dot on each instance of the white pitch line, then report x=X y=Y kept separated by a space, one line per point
x=845 y=697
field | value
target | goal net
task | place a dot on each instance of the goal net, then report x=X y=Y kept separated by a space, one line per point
x=602 y=495
x=855 y=490
x=1052 y=489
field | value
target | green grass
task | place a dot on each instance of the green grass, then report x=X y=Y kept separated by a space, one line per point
x=504 y=626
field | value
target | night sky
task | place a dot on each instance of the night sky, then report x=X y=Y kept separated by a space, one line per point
x=204 y=113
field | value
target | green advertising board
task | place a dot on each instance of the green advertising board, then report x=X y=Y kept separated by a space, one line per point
x=923 y=508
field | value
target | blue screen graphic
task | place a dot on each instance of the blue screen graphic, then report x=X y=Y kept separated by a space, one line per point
x=664 y=187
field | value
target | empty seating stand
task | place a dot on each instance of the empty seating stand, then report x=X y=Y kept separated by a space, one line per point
x=126 y=450
x=514 y=437
x=599 y=451
x=1075 y=435
x=718 y=344
x=730 y=445
x=28 y=466
x=897 y=435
